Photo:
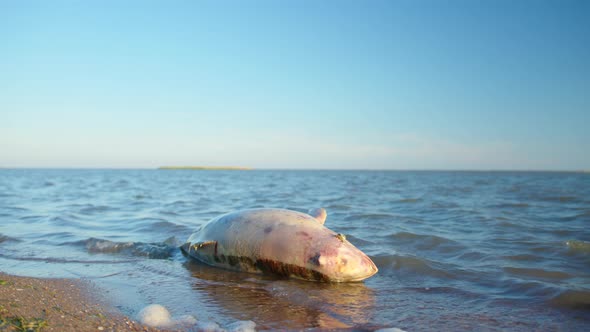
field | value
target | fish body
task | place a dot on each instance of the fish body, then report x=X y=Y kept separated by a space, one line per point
x=281 y=242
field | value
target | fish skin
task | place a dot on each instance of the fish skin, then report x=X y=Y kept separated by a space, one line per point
x=279 y=241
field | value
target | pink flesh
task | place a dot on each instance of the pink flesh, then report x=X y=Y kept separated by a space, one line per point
x=281 y=242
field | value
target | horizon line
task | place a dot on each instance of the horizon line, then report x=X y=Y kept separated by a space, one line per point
x=235 y=168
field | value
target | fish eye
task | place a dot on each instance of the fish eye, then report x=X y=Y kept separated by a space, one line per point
x=315 y=260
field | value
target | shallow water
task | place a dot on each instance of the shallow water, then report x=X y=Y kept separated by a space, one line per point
x=455 y=250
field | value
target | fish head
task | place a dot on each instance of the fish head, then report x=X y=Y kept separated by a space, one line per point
x=340 y=261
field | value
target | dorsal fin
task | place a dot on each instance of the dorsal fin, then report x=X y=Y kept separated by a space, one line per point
x=319 y=214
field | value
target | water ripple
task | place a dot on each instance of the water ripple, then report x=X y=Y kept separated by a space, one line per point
x=4 y=238
x=149 y=250
x=573 y=299
x=508 y=250
x=537 y=273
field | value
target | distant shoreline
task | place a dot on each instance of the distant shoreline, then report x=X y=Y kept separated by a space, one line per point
x=581 y=171
x=206 y=168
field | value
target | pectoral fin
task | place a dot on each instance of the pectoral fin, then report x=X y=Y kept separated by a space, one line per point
x=319 y=214
x=208 y=248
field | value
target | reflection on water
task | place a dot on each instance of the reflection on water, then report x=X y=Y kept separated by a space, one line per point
x=283 y=303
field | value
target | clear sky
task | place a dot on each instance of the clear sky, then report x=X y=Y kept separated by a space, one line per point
x=296 y=84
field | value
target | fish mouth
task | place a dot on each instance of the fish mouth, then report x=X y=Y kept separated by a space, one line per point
x=371 y=271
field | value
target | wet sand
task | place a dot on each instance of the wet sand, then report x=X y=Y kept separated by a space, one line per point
x=31 y=304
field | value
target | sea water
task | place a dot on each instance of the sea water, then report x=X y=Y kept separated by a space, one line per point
x=456 y=251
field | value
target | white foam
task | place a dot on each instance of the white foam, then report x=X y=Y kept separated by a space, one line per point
x=241 y=326
x=390 y=329
x=186 y=320
x=208 y=327
x=156 y=315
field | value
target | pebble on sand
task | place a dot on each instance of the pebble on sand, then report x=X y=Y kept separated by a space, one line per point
x=155 y=315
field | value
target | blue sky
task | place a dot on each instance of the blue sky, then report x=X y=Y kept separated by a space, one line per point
x=296 y=84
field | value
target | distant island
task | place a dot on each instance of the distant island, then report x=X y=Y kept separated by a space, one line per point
x=206 y=168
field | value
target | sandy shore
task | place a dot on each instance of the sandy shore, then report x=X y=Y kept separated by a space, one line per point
x=31 y=304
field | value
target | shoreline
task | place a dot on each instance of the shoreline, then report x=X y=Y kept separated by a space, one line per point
x=46 y=304
x=204 y=168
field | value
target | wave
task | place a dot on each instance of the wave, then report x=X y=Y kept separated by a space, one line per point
x=159 y=250
x=16 y=209
x=370 y=217
x=422 y=267
x=64 y=220
x=357 y=241
x=575 y=217
x=560 y=199
x=162 y=225
x=572 y=299
x=5 y=238
x=444 y=205
x=32 y=218
x=90 y=209
x=168 y=213
x=473 y=256
x=523 y=257
x=527 y=288
x=65 y=260
x=537 y=273
x=384 y=261
x=509 y=224
x=426 y=242
x=336 y=206
x=413 y=265
x=414 y=236
x=179 y=204
x=511 y=205
x=410 y=200
x=331 y=200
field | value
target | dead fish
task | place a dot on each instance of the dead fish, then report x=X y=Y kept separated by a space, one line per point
x=280 y=242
